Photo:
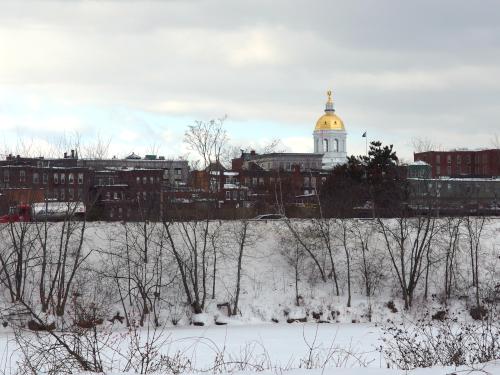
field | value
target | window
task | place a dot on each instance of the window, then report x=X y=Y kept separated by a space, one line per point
x=228 y=195
x=71 y=178
x=288 y=166
x=6 y=175
x=144 y=180
x=56 y=178
x=80 y=193
x=71 y=194
x=438 y=170
x=45 y=178
x=144 y=195
x=108 y=196
x=80 y=178
x=22 y=176
x=138 y=180
x=254 y=181
x=336 y=145
x=235 y=195
x=438 y=159
x=151 y=180
x=325 y=145
x=459 y=159
x=62 y=194
x=448 y=170
x=63 y=178
x=115 y=196
x=36 y=178
x=448 y=159
x=261 y=181
x=178 y=171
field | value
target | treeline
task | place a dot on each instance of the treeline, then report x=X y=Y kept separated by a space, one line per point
x=166 y=271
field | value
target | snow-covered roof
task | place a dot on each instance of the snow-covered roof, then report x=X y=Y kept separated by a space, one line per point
x=418 y=162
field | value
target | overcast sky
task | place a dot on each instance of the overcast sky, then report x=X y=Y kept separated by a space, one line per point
x=139 y=72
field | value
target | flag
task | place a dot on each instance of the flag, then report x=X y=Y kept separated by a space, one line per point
x=364 y=135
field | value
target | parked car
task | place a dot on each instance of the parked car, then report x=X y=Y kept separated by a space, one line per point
x=269 y=217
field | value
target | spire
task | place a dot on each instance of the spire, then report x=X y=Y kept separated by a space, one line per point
x=329 y=103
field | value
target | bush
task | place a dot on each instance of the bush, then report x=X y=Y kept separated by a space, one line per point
x=427 y=343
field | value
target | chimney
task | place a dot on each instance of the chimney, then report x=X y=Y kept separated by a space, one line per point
x=252 y=152
x=65 y=155
x=72 y=154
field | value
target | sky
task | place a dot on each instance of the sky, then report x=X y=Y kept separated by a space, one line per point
x=136 y=74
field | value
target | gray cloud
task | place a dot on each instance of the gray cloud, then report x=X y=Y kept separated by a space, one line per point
x=399 y=69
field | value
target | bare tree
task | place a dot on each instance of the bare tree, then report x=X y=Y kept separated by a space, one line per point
x=190 y=244
x=308 y=242
x=424 y=144
x=98 y=149
x=63 y=253
x=342 y=232
x=368 y=265
x=474 y=226
x=243 y=236
x=207 y=139
x=451 y=245
x=17 y=252
x=407 y=241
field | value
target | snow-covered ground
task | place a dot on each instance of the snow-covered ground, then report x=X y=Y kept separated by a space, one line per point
x=349 y=343
x=353 y=349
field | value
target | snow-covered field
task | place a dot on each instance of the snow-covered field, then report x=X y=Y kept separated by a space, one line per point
x=352 y=349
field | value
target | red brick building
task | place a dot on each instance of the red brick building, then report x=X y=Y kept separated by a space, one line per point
x=462 y=163
x=108 y=193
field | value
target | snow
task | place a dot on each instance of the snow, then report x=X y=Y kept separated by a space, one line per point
x=418 y=162
x=268 y=293
x=282 y=346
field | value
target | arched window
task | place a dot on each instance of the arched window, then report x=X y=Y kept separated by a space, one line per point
x=336 y=145
x=316 y=148
x=325 y=145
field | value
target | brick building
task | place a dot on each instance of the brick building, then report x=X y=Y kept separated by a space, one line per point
x=114 y=189
x=462 y=163
x=127 y=194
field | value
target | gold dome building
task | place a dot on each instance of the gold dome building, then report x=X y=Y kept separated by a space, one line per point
x=330 y=137
x=329 y=147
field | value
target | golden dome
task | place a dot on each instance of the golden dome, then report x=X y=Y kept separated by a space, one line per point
x=329 y=121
